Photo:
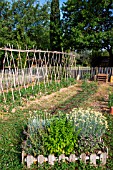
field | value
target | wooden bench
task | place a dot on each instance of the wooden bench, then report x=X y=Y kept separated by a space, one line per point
x=102 y=77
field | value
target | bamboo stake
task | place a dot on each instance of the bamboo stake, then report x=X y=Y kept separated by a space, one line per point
x=33 y=50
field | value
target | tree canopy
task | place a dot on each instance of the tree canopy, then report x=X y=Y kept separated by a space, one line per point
x=24 y=23
x=88 y=24
x=55 y=26
x=85 y=24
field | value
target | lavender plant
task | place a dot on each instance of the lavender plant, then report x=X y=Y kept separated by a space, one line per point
x=37 y=124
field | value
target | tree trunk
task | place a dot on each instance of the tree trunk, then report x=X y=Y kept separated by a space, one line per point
x=110 y=57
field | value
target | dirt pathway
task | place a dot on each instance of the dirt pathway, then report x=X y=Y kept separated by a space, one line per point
x=54 y=99
x=99 y=100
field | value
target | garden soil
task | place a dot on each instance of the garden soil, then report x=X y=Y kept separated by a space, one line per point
x=54 y=99
x=98 y=101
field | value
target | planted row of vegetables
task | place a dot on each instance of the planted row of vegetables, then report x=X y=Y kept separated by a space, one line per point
x=20 y=96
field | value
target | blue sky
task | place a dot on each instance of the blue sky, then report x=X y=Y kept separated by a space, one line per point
x=61 y=1
x=42 y=1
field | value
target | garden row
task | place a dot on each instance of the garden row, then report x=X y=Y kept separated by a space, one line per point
x=85 y=93
x=21 y=96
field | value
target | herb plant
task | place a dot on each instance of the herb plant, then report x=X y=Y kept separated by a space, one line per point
x=92 y=127
x=52 y=136
x=61 y=137
x=110 y=100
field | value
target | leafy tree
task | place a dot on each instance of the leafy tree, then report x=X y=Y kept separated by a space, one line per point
x=24 y=23
x=30 y=20
x=55 y=26
x=5 y=23
x=88 y=24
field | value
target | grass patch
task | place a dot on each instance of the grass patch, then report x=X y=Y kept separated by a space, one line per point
x=10 y=141
x=109 y=141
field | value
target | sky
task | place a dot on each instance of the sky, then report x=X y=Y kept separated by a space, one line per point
x=42 y=1
x=61 y=1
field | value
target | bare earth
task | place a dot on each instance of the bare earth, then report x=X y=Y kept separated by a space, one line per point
x=98 y=101
x=54 y=99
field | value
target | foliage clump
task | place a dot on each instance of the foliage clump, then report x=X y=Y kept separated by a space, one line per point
x=110 y=100
x=55 y=135
x=92 y=125
x=79 y=131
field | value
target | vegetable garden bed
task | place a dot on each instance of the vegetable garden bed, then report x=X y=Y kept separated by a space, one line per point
x=64 y=137
x=21 y=96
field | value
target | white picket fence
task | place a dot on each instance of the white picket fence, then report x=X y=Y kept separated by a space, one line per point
x=51 y=159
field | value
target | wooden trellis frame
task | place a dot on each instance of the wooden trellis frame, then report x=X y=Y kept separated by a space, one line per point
x=24 y=72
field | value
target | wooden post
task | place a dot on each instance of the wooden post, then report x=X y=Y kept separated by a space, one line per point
x=41 y=159
x=72 y=158
x=62 y=157
x=23 y=156
x=30 y=160
x=103 y=158
x=83 y=157
x=93 y=159
x=51 y=159
x=78 y=75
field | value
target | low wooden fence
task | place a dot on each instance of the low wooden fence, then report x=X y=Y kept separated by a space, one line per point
x=51 y=159
x=12 y=77
x=91 y=71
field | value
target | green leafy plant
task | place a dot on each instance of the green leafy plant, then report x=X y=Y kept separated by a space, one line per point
x=110 y=100
x=108 y=138
x=61 y=137
x=56 y=135
x=92 y=125
x=86 y=76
